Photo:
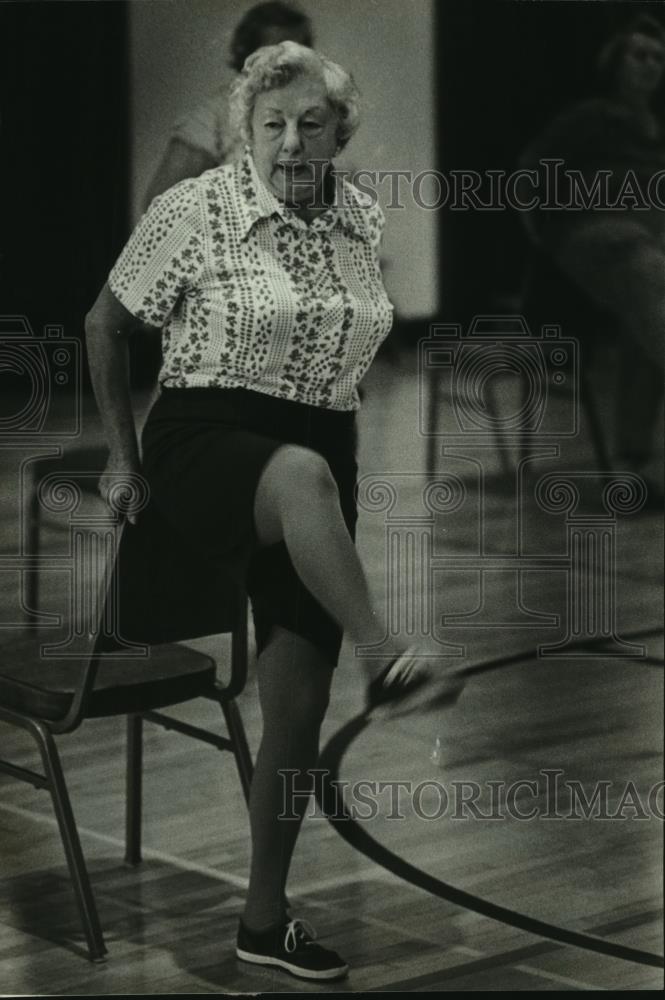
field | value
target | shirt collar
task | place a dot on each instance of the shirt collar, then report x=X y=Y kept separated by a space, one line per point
x=257 y=202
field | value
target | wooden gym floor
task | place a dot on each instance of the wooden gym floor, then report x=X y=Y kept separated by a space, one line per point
x=170 y=924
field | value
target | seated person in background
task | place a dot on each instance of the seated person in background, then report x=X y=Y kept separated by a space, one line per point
x=204 y=138
x=616 y=256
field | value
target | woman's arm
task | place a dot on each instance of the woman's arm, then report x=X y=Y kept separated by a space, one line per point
x=107 y=328
x=180 y=161
x=162 y=259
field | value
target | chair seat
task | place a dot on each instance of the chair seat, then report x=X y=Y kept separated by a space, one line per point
x=44 y=688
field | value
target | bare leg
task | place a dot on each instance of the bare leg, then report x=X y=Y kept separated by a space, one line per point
x=294 y=686
x=297 y=501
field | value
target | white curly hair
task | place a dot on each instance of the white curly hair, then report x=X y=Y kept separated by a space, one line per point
x=275 y=66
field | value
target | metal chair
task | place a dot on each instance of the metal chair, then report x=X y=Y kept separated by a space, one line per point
x=153 y=593
x=549 y=299
x=81 y=464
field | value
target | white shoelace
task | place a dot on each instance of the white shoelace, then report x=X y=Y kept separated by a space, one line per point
x=294 y=928
x=402 y=668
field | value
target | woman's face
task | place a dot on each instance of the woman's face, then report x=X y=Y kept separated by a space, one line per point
x=642 y=65
x=292 y=127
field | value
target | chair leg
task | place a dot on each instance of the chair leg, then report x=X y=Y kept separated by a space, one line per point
x=525 y=441
x=432 y=444
x=33 y=540
x=71 y=843
x=595 y=428
x=497 y=431
x=240 y=746
x=134 y=789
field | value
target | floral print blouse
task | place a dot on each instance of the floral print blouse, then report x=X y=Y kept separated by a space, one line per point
x=249 y=295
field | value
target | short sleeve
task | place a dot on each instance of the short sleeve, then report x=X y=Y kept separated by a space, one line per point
x=365 y=214
x=376 y=224
x=163 y=256
x=204 y=128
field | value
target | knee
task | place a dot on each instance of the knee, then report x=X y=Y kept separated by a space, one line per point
x=300 y=472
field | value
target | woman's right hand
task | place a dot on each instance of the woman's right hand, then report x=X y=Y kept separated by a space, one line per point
x=123 y=488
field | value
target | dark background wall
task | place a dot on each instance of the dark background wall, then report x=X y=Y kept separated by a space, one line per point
x=64 y=162
x=504 y=70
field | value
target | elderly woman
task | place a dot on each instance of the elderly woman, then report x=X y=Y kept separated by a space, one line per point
x=263 y=276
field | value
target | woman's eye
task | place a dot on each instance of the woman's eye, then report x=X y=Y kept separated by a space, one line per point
x=271 y=125
x=312 y=125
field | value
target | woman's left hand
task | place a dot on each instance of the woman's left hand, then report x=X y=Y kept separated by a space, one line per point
x=123 y=487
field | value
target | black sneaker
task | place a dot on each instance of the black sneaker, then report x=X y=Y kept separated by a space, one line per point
x=290 y=946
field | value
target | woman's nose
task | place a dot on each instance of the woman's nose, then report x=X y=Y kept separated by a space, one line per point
x=291 y=143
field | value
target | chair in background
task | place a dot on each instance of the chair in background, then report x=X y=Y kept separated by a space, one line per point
x=156 y=594
x=549 y=297
x=431 y=414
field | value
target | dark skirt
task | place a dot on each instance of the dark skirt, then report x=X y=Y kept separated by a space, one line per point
x=203 y=454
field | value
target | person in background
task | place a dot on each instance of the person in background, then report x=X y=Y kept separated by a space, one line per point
x=617 y=256
x=205 y=138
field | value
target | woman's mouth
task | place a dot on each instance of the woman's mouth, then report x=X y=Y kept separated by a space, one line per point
x=295 y=171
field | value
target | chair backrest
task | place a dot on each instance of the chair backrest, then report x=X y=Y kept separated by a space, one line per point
x=159 y=592
x=155 y=590
x=163 y=591
x=160 y=589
